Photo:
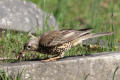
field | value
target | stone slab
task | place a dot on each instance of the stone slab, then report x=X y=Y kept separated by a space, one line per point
x=25 y=16
x=97 y=67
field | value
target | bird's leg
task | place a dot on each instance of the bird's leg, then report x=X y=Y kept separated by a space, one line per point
x=54 y=58
x=51 y=59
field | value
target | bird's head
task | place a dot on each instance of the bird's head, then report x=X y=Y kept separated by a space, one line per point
x=32 y=45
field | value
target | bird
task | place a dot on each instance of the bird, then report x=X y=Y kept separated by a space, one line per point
x=57 y=42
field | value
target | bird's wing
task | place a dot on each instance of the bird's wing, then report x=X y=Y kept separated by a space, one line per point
x=58 y=37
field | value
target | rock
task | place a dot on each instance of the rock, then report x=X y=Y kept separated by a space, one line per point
x=96 y=41
x=24 y=16
x=96 y=67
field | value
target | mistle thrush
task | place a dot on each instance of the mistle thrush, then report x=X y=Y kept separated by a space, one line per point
x=57 y=42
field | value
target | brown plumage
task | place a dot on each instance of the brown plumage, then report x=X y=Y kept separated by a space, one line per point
x=57 y=42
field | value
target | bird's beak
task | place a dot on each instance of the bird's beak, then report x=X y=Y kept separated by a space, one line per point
x=21 y=54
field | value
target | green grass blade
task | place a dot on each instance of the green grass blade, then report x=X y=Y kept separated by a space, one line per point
x=113 y=78
x=86 y=76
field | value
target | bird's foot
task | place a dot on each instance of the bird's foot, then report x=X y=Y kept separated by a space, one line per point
x=51 y=59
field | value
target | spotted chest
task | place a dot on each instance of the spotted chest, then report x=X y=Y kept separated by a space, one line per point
x=55 y=49
x=62 y=48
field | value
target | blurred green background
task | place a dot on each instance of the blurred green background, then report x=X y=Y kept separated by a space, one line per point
x=99 y=14
x=102 y=15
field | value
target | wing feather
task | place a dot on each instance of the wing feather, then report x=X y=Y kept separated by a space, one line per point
x=58 y=37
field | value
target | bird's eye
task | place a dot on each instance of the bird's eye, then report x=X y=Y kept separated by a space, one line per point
x=28 y=46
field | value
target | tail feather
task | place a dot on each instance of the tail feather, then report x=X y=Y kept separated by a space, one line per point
x=90 y=35
x=100 y=34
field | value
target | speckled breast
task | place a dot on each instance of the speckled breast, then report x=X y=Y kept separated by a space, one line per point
x=56 y=49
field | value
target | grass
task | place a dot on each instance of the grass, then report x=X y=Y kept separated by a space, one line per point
x=4 y=76
x=113 y=78
x=85 y=78
x=102 y=15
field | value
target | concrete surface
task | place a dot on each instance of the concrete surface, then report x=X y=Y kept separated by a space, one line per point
x=97 y=67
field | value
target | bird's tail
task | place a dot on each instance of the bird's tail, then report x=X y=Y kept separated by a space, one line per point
x=93 y=35
x=88 y=36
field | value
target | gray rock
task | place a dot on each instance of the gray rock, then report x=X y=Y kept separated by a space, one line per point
x=25 y=16
x=96 y=41
x=97 y=67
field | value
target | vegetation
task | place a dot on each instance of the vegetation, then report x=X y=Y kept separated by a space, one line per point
x=4 y=76
x=102 y=15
